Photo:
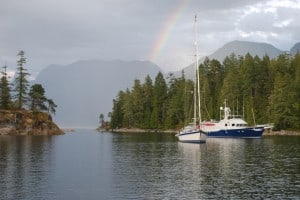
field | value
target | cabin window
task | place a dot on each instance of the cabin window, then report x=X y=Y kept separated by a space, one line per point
x=225 y=124
x=232 y=124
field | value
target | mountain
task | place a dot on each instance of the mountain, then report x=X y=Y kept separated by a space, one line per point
x=238 y=48
x=295 y=48
x=244 y=47
x=85 y=89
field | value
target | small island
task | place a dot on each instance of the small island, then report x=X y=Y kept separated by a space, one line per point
x=23 y=111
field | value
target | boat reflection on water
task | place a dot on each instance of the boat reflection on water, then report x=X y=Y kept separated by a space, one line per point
x=192 y=151
x=219 y=151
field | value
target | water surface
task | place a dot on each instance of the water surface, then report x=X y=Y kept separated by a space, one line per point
x=91 y=165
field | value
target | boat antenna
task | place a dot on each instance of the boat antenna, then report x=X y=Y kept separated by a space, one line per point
x=237 y=105
x=253 y=117
x=243 y=108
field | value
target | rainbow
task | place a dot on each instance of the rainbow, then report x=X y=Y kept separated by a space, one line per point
x=163 y=37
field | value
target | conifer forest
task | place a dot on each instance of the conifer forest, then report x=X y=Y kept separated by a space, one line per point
x=263 y=90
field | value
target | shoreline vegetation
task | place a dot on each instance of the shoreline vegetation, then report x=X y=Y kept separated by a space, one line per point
x=138 y=130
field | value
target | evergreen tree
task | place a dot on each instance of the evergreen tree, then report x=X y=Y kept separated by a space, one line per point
x=188 y=102
x=37 y=98
x=127 y=110
x=137 y=101
x=296 y=65
x=5 y=98
x=51 y=106
x=38 y=101
x=248 y=86
x=114 y=118
x=159 y=101
x=284 y=100
x=232 y=83
x=147 y=89
x=211 y=76
x=101 y=120
x=21 y=82
x=175 y=102
x=262 y=85
x=117 y=115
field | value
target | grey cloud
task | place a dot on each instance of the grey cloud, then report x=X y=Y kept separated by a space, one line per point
x=250 y=22
x=65 y=31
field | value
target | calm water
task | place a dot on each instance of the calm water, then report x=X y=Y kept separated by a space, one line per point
x=91 y=165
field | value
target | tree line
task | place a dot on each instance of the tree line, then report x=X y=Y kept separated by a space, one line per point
x=268 y=89
x=20 y=95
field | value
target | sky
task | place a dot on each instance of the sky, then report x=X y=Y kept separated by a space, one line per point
x=161 y=31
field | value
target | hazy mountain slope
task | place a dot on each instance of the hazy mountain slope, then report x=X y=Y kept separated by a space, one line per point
x=85 y=89
x=244 y=47
x=295 y=48
x=238 y=48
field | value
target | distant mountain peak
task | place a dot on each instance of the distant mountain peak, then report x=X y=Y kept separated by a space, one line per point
x=243 y=47
x=238 y=48
x=295 y=48
x=247 y=42
x=84 y=89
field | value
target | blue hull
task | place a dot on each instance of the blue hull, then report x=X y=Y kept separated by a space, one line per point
x=237 y=133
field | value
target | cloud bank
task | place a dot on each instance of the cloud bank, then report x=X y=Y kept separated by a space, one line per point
x=64 y=31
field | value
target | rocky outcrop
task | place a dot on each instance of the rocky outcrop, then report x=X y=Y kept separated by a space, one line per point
x=23 y=122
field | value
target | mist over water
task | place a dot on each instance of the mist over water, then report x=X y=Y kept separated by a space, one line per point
x=91 y=165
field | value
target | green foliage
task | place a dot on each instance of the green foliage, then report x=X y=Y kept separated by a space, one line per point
x=21 y=82
x=211 y=79
x=51 y=106
x=284 y=106
x=5 y=97
x=269 y=88
x=117 y=114
x=35 y=99
x=147 y=89
x=159 y=101
x=175 y=102
x=101 y=120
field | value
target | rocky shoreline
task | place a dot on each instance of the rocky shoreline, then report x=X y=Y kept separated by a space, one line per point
x=23 y=122
x=282 y=133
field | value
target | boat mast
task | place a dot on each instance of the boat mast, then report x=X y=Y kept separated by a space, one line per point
x=197 y=77
x=195 y=83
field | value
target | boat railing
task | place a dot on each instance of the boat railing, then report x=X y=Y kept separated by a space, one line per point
x=235 y=117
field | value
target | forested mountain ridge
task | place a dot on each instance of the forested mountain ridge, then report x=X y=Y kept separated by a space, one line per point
x=269 y=88
x=239 y=48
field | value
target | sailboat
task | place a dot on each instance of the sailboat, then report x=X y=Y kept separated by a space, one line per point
x=192 y=133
